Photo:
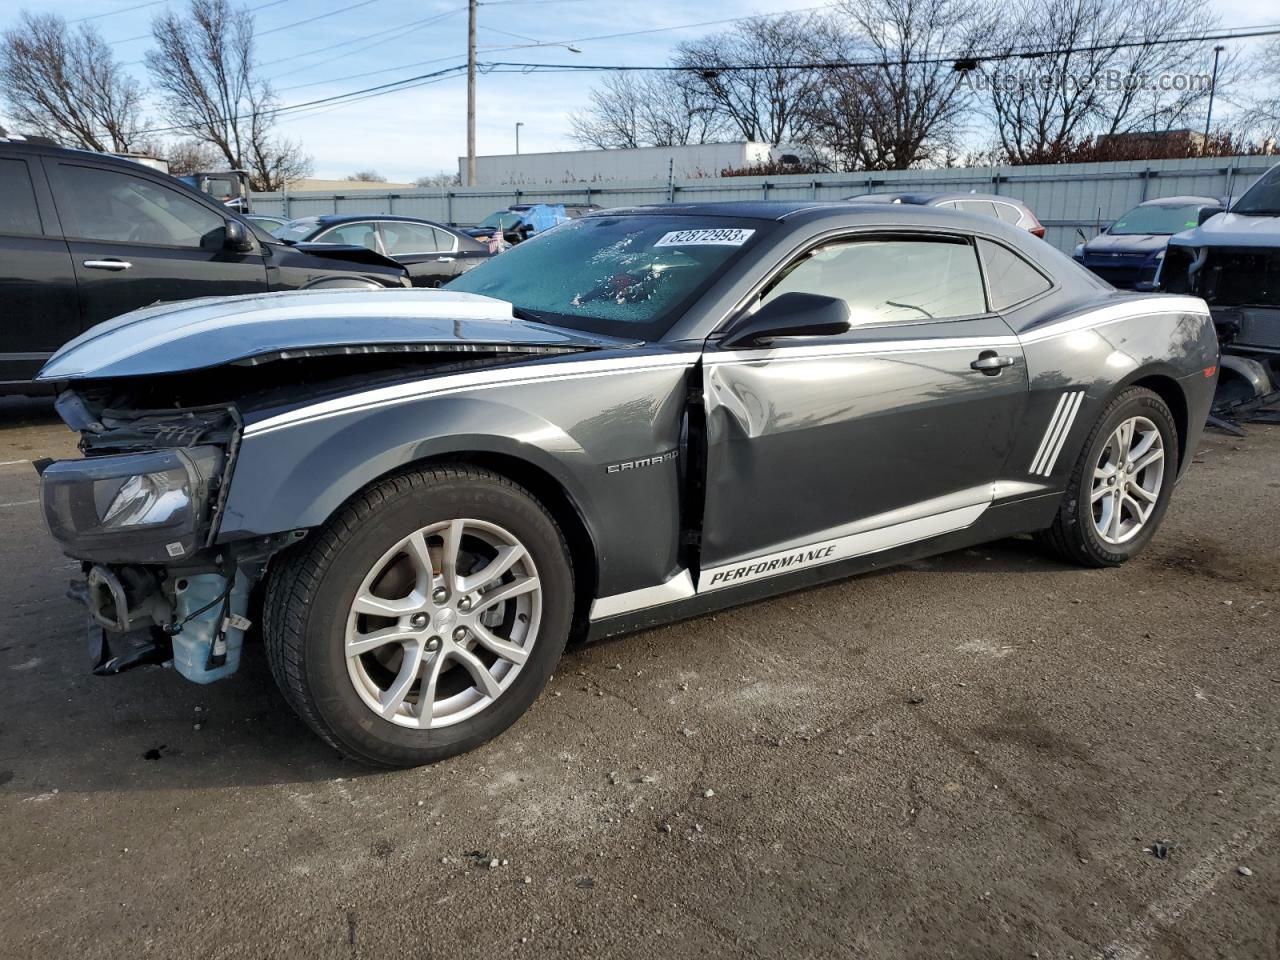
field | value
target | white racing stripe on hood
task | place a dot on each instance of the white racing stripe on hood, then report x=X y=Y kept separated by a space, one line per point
x=471 y=380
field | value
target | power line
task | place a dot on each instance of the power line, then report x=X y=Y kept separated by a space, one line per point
x=381 y=89
x=611 y=36
x=147 y=36
x=320 y=16
x=112 y=13
x=957 y=58
x=679 y=26
x=511 y=67
x=399 y=28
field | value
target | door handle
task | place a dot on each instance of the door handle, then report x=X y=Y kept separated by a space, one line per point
x=108 y=264
x=991 y=363
x=444 y=259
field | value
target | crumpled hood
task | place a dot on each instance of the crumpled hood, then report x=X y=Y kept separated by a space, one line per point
x=1133 y=243
x=214 y=331
x=1232 y=230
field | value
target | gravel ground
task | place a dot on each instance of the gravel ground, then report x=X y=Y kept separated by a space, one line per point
x=972 y=756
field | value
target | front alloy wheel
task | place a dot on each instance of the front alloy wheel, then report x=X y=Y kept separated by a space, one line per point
x=443 y=623
x=424 y=618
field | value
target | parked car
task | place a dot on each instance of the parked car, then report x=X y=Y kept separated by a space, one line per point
x=432 y=253
x=266 y=222
x=645 y=415
x=519 y=221
x=992 y=205
x=1129 y=251
x=1232 y=260
x=85 y=237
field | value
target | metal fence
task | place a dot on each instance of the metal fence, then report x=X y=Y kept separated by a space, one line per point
x=1066 y=197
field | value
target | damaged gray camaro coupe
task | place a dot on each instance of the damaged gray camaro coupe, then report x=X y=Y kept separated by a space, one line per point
x=419 y=496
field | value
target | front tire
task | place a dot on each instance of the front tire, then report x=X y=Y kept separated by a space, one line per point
x=1120 y=487
x=423 y=618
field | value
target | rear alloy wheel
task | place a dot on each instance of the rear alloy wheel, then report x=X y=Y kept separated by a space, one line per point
x=1127 y=480
x=1120 y=487
x=424 y=618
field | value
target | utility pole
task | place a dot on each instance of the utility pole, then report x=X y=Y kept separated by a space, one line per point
x=1213 y=84
x=471 y=92
x=519 y=124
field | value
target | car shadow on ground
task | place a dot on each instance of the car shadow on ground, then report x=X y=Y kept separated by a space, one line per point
x=150 y=729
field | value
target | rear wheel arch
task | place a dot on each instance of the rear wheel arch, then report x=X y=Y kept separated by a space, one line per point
x=1168 y=390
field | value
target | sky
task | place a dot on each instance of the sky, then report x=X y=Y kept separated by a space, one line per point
x=421 y=131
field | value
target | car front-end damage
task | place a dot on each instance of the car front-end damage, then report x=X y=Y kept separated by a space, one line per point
x=160 y=397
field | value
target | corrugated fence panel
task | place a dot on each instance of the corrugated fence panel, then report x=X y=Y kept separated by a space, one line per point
x=1067 y=198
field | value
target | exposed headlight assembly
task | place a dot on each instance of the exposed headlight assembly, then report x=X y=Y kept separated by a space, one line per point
x=134 y=508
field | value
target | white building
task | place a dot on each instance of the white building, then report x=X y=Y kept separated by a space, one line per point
x=597 y=166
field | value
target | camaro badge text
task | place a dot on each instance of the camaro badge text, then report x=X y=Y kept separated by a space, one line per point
x=653 y=461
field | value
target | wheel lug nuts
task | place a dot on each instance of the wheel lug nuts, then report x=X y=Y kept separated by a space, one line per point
x=460 y=634
x=433 y=645
x=464 y=604
x=439 y=595
x=418 y=621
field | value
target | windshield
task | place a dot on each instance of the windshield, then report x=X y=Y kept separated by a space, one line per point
x=626 y=276
x=501 y=219
x=1263 y=198
x=1158 y=218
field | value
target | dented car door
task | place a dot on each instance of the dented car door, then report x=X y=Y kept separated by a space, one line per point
x=895 y=431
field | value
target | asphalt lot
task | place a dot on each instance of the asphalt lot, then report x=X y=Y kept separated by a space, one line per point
x=964 y=757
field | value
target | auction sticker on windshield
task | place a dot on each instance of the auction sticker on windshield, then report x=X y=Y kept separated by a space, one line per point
x=725 y=236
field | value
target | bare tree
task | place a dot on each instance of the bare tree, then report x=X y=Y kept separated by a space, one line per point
x=906 y=105
x=646 y=110
x=767 y=93
x=1262 y=107
x=442 y=179
x=191 y=156
x=66 y=84
x=366 y=176
x=1090 y=79
x=204 y=69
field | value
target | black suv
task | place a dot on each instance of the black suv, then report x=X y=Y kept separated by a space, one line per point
x=85 y=237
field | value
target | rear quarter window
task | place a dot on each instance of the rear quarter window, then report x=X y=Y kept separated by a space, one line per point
x=18 y=211
x=1010 y=278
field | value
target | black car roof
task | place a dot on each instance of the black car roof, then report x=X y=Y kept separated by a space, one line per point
x=741 y=209
x=778 y=210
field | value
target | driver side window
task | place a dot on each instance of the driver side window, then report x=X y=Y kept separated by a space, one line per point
x=97 y=204
x=891 y=280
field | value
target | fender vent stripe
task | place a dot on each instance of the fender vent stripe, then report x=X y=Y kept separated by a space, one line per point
x=1055 y=434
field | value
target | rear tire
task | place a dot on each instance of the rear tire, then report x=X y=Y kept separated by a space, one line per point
x=1087 y=530
x=459 y=682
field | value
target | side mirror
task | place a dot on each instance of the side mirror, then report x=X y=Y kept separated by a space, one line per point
x=791 y=315
x=1208 y=212
x=238 y=238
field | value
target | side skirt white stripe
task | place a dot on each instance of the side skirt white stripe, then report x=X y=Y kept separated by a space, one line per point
x=841 y=548
x=882 y=532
